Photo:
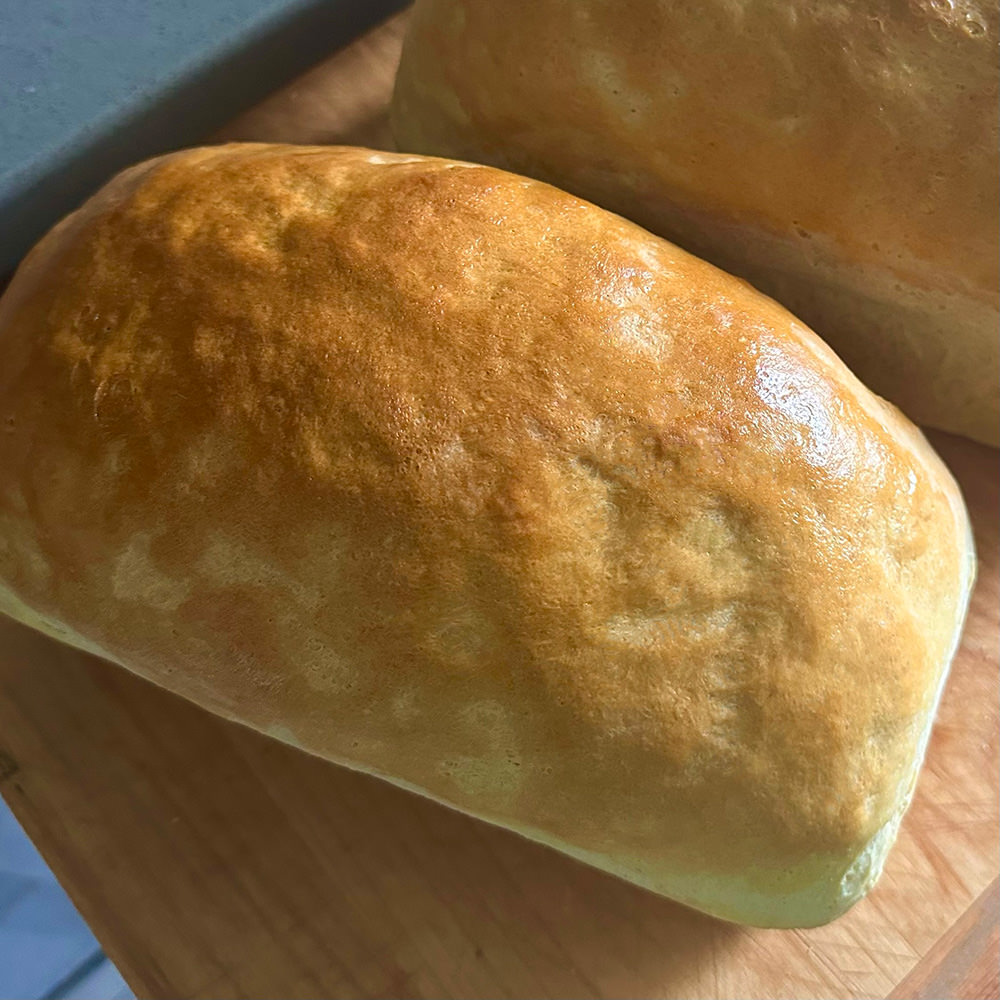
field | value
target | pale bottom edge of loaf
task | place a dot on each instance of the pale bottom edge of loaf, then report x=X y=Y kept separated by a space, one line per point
x=809 y=894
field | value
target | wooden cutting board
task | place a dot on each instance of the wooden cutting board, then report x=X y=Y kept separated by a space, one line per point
x=212 y=862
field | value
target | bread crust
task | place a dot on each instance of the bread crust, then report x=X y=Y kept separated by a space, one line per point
x=443 y=474
x=840 y=156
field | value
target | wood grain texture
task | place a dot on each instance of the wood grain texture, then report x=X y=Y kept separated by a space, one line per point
x=344 y=100
x=966 y=961
x=213 y=862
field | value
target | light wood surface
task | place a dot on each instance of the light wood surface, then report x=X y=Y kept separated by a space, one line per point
x=213 y=862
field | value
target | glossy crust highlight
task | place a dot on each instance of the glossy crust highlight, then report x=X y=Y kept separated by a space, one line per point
x=841 y=156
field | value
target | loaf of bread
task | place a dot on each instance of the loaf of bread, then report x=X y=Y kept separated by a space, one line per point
x=445 y=475
x=841 y=156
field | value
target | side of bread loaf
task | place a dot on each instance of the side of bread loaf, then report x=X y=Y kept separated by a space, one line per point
x=440 y=473
x=842 y=157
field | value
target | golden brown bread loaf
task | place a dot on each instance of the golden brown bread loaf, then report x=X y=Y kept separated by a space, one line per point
x=445 y=475
x=841 y=156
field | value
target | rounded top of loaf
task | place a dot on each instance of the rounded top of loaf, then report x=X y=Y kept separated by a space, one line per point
x=449 y=475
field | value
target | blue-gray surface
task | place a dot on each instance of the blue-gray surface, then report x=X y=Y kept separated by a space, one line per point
x=89 y=86
x=46 y=950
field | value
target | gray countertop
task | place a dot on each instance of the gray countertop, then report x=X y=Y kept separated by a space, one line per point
x=89 y=86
